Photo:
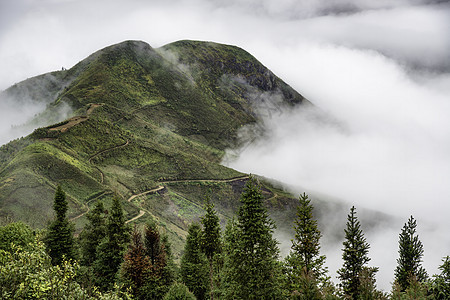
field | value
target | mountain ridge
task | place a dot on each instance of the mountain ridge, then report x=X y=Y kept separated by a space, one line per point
x=142 y=118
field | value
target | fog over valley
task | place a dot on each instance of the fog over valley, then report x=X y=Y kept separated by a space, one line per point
x=377 y=72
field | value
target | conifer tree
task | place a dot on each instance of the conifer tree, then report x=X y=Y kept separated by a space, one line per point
x=210 y=239
x=179 y=291
x=229 y=271
x=355 y=257
x=304 y=265
x=93 y=233
x=194 y=265
x=416 y=290
x=441 y=282
x=161 y=274
x=153 y=244
x=59 y=239
x=135 y=265
x=367 y=285
x=409 y=263
x=111 y=250
x=251 y=269
x=116 y=226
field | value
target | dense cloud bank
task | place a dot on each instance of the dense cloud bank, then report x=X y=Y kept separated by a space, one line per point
x=378 y=72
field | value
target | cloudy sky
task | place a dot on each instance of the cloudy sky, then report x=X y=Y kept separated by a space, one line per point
x=377 y=70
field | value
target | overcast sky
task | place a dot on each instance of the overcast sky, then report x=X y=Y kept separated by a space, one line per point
x=379 y=70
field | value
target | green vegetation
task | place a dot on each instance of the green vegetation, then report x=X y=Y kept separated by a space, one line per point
x=211 y=243
x=147 y=136
x=355 y=256
x=304 y=266
x=179 y=291
x=409 y=264
x=18 y=234
x=109 y=253
x=441 y=283
x=59 y=238
x=143 y=118
x=144 y=269
x=194 y=264
x=92 y=235
x=251 y=268
x=136 y=264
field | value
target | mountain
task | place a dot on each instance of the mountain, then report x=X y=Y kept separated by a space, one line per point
x=149 y=125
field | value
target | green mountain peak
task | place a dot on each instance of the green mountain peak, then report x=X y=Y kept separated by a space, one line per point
x=150 y=125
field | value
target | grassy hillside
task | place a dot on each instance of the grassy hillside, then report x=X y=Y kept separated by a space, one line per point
x=149 y=125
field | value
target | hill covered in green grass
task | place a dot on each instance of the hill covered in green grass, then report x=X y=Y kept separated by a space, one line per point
x=149 y=125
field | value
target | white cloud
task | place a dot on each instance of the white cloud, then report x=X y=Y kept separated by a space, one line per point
x=388 y=151
x=394 y=135
x=379 y=69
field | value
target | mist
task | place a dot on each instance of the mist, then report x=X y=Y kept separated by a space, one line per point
x=378 y=139
x=13 y=115
x=377 y=72
x=22 y=105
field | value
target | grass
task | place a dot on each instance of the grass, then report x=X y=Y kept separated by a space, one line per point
x=161 y=120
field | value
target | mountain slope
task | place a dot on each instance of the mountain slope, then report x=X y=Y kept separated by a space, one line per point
x=149 y=125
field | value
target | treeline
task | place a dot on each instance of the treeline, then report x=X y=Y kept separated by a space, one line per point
x=111 y=260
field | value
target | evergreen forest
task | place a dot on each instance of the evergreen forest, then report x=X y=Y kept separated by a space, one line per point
x=110 y=259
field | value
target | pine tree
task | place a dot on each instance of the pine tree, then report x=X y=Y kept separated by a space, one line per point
x=179 y=291
x=59 y=239
x=441 y=282
x=93 y=233
x=210 y=240
x=304 y=265
x=136 y=264
x=354 y=255
x=194 y=265
x=416 y=290
x=367 y=285
x=153 y=244
x=111 y=250
x=230 y=270
x=251 y=269
x=409 y=263
x=161 y=274
x=116 y=226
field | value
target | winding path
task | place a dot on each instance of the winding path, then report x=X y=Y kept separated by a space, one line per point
x=71 y=122
x=87 y=205
x=160 y=187
x=153 y=190
x=141 y=213
x=206 y=180
x=275 y=195
x=109 y=149
x=102 y=176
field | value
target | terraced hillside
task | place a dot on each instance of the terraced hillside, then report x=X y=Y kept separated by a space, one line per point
x=149 y=125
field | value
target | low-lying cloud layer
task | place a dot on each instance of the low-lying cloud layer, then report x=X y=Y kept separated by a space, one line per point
x=374 y=122
x=378 y=72
x=379 y=140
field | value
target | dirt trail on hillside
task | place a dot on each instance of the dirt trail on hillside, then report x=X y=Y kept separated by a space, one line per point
x=206 y=180
x=102 y=176
x=275 y=195
x=71 y=122
x=160 y=187
x=87 y=205
x=109 y=149
x=141 y=213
